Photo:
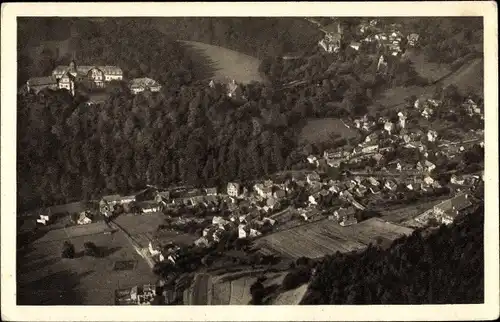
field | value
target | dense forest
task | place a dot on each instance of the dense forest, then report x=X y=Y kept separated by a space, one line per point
x=188 y=132
x=444 y=267
x=458 y=37
x=282 y=35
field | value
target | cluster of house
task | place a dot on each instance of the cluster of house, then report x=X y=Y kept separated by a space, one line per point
x=370 y=32
x=154 y=200
x=136 y=295
x=472 y=108
x=67 y=77
x=161 y=253
x=419 y=175
x=428 y=106
x=264 y=195
x=138 y=85
x=344 y=216
x=446 y=211
x=259 y=202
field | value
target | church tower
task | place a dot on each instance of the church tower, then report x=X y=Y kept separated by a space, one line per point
x=72 y=66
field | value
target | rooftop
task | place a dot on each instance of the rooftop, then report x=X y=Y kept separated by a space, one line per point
x=40 y=81
x=84 y=69
x=143 y=82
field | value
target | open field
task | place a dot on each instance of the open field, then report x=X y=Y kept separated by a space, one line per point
x=221 y=294
x=136 y=224
x=428 y=70
x=165 y=236
x=400 y=214
x=231 y=288
x=320 y=130
x=62 y=234
x=227 y=64
x=327 y=237
x=471 y=75
x=200 y=292
x=240 y=288
x=43 y=277
x=291 y=297
x=395 y=97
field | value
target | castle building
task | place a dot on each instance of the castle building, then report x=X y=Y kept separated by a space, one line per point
x=65 y=77
x=93 y=76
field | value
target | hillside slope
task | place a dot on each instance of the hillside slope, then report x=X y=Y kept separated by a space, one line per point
x=468 y=77
x=227 y=63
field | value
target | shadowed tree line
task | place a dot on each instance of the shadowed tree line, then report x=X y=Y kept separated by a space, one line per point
x=445 y=267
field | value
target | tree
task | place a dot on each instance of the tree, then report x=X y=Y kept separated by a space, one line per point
x=296 y=278
x=91 y=249
x=68 y=250
x=257 y=291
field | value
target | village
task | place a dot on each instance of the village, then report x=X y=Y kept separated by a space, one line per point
x=398 y=162
x=369 y=34
x=404 y=160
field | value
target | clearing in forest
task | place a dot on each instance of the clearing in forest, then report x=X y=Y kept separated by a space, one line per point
x=426 y=69
x=321 y=130
x=469 y=76
x=226 y=64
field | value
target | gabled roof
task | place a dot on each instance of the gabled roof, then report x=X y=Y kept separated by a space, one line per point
x=461 y=202
x=112 y=198
x=40 y=81
x=457 y=203
x=164 y=194
x=84 y=69
x=143 y=82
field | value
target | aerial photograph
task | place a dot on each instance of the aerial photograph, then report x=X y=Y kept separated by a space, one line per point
x=250 y=160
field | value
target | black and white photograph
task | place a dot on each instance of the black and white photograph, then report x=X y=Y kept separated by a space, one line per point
x=296 y=160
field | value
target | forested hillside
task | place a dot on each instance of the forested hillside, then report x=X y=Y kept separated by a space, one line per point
x=446 y=267
x=187 y=133
x=255 y=36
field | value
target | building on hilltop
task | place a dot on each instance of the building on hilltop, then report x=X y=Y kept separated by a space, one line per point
x=94 y=76
x=66 y=77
